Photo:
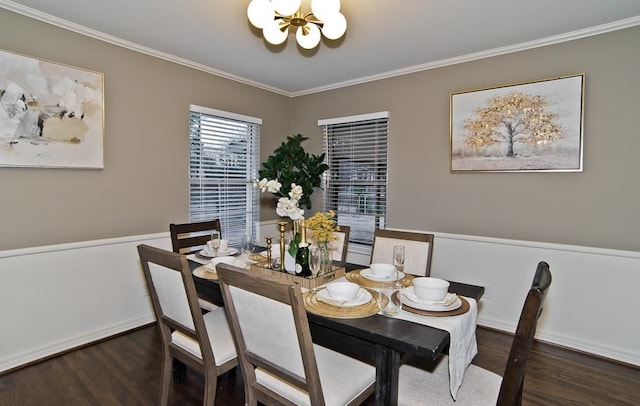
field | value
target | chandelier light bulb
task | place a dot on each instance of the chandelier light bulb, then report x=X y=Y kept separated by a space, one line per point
x=324 y=9
x=277 y=18
x=311 y=39
x=335 y=26
x=286 y=7
x=273 y=34
x=260 y=12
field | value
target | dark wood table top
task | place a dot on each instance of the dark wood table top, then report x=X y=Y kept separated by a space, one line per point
x=401 y=335
x=378 y=339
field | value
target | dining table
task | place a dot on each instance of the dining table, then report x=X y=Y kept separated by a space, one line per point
x=377 y=339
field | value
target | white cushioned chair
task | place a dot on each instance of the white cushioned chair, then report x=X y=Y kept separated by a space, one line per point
x=202 y=342
x=418 y=248
x=420 y=383
x=279 y=362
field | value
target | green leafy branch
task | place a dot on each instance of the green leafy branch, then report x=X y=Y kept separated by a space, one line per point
x=290 y=163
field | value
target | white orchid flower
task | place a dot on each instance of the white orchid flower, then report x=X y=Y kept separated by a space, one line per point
x=296 y=192
x=289 y=208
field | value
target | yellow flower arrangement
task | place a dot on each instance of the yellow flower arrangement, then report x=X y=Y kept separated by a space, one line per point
x=322 y=226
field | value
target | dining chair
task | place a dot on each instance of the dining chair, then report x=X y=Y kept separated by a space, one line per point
x=280 y=364
x=192 y=237
x=340 y=246
x=480 y=386
x=189 y=238
x=201 y=342
x=418 y=249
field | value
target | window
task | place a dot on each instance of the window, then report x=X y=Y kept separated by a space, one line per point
x=356 y=182
x=223 y=162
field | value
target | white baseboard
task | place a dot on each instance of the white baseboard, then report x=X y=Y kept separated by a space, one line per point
x=60 y=346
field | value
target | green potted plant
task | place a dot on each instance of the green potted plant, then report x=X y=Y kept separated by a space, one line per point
x=291 y=174
x=291 y=164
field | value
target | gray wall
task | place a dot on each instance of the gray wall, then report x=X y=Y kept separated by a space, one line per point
x=597 y=207
x=144 y=184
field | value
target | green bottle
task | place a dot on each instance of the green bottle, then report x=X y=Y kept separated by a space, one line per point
x=302 y=256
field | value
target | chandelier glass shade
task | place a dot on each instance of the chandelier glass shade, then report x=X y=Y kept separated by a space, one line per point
x=276 y=17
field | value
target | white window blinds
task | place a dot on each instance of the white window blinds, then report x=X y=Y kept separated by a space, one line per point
x=356 y=182
x=223 y=162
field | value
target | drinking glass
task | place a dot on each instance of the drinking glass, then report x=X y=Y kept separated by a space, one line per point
x=215 y=243
x=393 y=305
x=247 y=245
x=392 y=290
x=398 y=258
x=315 y=262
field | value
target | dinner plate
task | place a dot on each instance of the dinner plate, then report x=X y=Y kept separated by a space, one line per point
x=368 y=274
x=407 y=293
x=207 y=254
x=448 y=300
x=274 y=253
x=361 y=298
x=205 y=272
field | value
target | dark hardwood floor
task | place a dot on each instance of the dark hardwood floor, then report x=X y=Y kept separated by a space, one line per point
x=125 y=370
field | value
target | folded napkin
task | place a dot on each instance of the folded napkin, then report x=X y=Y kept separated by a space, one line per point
x=238 y=262
x=195 y=258
x=447 y=301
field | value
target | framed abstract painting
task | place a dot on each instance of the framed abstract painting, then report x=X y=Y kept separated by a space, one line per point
x=527 y=127
x=51 y=115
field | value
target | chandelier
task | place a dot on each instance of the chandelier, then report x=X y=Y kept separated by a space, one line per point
x=275 y=17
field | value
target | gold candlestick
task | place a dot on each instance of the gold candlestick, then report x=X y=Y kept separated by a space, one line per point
x=281 y=227
x=269 y=264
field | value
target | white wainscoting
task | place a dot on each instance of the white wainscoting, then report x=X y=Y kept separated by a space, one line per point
x=55 y=298
x=59 y=297
x=591 y=305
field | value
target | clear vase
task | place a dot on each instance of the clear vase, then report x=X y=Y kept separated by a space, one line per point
x=327 y=259
x=292 y=246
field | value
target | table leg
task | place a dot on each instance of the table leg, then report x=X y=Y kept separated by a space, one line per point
x=387 y=371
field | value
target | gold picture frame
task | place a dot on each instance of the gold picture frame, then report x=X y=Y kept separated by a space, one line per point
x=51 y=115
x=533 y=126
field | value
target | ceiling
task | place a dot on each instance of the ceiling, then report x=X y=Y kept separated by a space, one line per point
x=384 y=37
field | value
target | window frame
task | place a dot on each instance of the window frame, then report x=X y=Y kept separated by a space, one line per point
x=231 y=183
x=376 y=133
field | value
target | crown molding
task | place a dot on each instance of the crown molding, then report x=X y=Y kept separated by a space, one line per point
x=80 y=29
x=570 y=36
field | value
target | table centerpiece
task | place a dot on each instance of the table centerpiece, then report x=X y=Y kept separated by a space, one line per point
x=291 y=174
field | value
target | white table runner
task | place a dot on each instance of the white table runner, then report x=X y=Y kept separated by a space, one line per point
x=463 y=345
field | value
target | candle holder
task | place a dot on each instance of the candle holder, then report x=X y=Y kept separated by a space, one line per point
x=282 y=228
x=269 y=264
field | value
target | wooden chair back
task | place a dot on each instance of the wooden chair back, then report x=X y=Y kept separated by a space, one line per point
x=190 y=237
x=257 y=304
x=340 y=246
x=179 y=318
x=513 y=378
x=418 y=249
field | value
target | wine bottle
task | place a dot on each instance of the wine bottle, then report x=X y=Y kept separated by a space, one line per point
x=302 y=256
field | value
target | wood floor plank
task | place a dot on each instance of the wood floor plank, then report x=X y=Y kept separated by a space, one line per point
x=125 y=370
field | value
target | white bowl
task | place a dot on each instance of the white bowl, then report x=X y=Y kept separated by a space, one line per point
x=223 y=260
x=382 y=270
x=343 y=290
x=432 y=289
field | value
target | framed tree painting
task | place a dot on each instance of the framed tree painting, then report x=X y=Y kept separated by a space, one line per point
x=51 y=115
x=526 y=127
